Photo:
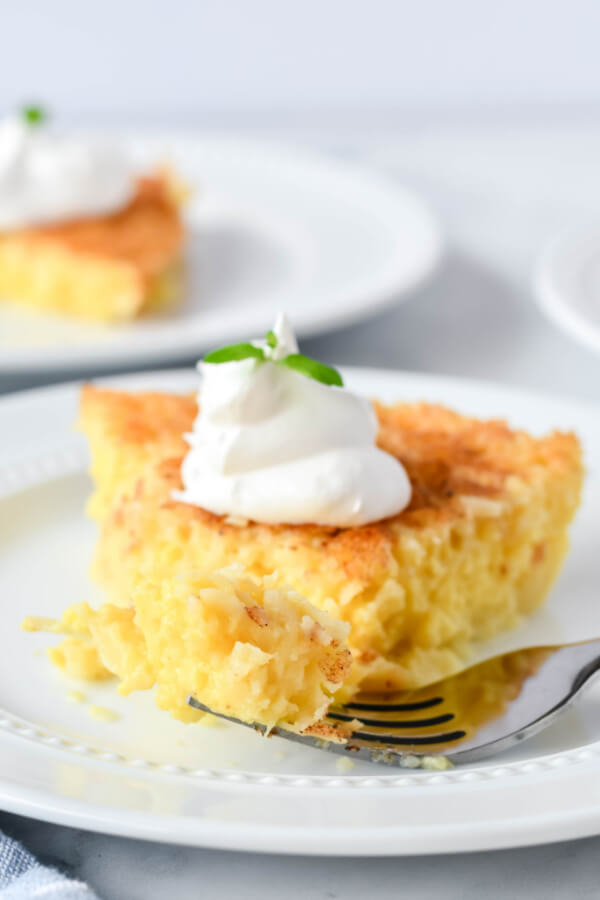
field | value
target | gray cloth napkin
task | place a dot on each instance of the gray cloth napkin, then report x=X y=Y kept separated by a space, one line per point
x=22 y=877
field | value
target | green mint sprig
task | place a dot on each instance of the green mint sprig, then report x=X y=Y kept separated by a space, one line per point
x=312 y=369
x=234 y=353
x=34 y=115
x=296 y=361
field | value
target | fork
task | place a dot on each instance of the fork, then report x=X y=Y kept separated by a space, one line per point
x=470 y=716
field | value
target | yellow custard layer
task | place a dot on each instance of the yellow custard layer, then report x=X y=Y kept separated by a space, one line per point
x=244 y=648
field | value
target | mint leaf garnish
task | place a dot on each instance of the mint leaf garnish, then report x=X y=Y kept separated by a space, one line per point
x=313 y=369
x=234 y=352
x=296 y=361
x=33 y=115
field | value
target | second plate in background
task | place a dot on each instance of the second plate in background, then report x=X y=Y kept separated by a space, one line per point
x=270 y=228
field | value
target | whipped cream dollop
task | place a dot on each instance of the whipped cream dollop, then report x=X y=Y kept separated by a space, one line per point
x=273 y=445
x=48 y=178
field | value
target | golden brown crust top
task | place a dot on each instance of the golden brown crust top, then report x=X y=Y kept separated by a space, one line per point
x=448 y=457
x=139 y=420
x=338 y=733
x=147 y=234
x=336 y=667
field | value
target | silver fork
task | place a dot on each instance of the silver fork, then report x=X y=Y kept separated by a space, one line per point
x=471 y=716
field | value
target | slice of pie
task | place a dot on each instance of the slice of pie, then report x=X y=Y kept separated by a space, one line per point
x=477 y=549
x=108 y=268
x=244 y=647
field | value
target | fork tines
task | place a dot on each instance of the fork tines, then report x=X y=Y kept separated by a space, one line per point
x=387 y=724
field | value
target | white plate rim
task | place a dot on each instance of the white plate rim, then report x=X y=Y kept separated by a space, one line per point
x=552 y=772
x=551 y=298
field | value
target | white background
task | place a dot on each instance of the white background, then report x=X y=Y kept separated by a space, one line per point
x=153 y=58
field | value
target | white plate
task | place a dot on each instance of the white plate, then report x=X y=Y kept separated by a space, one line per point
x=271 y=228
x=148 y=776
x=567 y=285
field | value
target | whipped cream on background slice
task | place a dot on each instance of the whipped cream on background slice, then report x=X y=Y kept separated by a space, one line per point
x=48 y=178
x=275 y=446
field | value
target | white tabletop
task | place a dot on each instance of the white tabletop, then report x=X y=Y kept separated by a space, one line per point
x=501 y=195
